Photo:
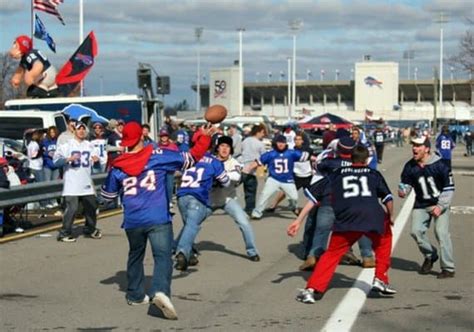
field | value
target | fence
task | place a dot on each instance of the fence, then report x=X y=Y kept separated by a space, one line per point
x=34 y=192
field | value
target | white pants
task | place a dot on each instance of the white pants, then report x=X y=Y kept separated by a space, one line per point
x=271 y=187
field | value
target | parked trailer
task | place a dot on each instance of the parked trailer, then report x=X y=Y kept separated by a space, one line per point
x=126 y=107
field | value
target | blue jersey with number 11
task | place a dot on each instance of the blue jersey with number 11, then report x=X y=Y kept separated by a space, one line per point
x=281 y=164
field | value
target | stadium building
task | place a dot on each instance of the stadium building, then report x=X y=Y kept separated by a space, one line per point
x=375 y=90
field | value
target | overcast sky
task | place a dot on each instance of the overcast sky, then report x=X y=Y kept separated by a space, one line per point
x=335 y=35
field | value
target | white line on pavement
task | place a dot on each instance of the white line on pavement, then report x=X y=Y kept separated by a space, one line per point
x=345 y=314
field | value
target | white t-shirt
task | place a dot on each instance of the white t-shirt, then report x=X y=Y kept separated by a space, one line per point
x=77 y=175
x=35 y=158
x=290 y=139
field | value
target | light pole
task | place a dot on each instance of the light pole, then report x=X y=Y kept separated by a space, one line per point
x=415 y=73
x=241 y=73
x=198 y=34
x=289 y=88
x=337 y=74
x=441 y=19
x=308 y=74
x=352 y=74
x=295 y=25
x=321 y=75
x=269 y=76
x=408 y=55
x=452 y=73
x=282 y=75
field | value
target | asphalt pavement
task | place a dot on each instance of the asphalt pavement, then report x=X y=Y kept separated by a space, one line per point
x=46 y=285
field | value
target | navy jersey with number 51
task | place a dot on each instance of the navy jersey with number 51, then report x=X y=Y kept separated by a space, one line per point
x=354 y=195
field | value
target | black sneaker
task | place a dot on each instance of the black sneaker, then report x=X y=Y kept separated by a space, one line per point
x=97 y=234
x=428 y=264
x=255 y=258
x=270 y=210
x=181 y=262
x=193 y=260
x=445 y=274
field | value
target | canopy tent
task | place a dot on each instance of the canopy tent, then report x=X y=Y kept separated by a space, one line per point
x=79 y=112
x=324 y=120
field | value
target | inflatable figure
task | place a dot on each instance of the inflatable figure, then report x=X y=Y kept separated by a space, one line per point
x=34 y=69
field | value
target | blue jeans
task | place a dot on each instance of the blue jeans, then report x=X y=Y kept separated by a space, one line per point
x=365 y=247
x=193 y=213
x=421 y=221
x=161 y=240
x=324 y=222
x=233 y=208
x=169 y=185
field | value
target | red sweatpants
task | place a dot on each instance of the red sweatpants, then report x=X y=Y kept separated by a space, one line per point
x=339 y=244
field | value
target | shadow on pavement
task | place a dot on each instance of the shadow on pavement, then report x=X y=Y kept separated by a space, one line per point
x=404 y=265
x=212 y=246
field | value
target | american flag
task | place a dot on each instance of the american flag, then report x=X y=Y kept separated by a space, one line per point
x=50 y=7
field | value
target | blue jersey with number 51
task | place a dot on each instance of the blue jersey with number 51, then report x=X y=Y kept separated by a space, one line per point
x=281 y=164
x=197 y=181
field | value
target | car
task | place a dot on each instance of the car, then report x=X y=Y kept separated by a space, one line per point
x=12 y=148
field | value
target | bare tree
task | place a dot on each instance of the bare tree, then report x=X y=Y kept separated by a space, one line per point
x=465 y=58
x=7 y=68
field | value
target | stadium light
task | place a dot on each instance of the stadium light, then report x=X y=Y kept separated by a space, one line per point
x=289 y=89
x=452 y=73
x=337 y=74
x=408 y=55
x=308 y=74
x=415 y=73
x=198 y=33
x=241 y=73
x=295 y=26
x=321 y=75
x=441 y=20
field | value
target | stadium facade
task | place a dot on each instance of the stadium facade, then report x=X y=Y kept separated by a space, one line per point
x=376 y=88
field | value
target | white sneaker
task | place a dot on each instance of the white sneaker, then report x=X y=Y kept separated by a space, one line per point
x=58 y=214
x=381 y=287
x=146 y=300
x=19 y=230
x=305 y=296
x=163 y=302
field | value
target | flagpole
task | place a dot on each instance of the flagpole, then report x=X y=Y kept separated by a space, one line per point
x=81 y=34
x=32 y=23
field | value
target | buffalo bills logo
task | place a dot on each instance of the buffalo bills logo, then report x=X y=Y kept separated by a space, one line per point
x=219 y=88
x=86 y=59
x=371 y=81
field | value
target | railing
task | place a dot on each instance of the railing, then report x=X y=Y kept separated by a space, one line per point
x=34 y=192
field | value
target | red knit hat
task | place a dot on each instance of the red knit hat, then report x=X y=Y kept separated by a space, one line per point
x=24 y=43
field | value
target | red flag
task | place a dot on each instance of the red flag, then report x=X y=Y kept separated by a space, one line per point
x=78 y=66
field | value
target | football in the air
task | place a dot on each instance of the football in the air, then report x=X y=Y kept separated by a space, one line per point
x=215 y=113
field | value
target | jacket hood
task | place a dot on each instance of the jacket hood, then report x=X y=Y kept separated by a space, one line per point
x=133 y=163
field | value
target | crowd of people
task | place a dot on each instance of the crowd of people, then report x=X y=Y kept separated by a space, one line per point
x=348 y=199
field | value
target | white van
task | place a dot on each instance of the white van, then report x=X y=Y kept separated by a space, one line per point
x=14 y=123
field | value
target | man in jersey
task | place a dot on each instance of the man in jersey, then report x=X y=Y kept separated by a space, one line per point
x=280 y=162
x=354 y=193
x=359 y=138
x=182 y=138
x=433 y=183
x=226 y=197
x=194 y=204
x=99 y=141
x=303 y=172
x=77 y=157
x=445 y=146
x=379 y=142
x=34 y=69
x=139 y=177
x=114 y=148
